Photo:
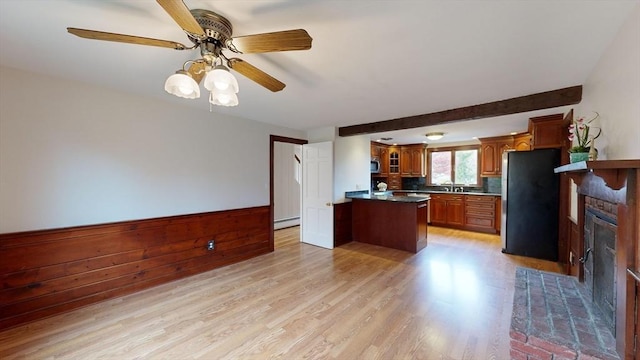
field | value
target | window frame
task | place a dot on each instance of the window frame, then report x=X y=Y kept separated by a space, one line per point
x=453 y=150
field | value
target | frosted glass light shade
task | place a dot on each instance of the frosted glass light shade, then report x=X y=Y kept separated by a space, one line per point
x=181 y=84
x=223 y=98
x=434 y=136
x=220 y=78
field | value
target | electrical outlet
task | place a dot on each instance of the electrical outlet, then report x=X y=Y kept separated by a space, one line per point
x=211 y=245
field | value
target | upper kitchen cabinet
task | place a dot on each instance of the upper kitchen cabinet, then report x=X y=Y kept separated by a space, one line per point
x=375 y=151
x=384 y=161
x=394 y=160
x=412 y=161
x=522 y=142
x=491 y=150
x=381 y=153
x=394 y=182
x=548 y=131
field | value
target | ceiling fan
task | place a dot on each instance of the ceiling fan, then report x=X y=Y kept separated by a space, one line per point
x=212 y=33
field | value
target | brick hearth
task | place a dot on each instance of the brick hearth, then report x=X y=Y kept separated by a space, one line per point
x=554 y=319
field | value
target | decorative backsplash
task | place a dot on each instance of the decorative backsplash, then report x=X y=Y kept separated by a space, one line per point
x=489 y=185
x=492 y=185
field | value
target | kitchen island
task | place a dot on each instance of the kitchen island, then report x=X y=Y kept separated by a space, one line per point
x=398 y=222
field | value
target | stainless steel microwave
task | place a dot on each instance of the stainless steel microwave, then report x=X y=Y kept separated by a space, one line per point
x=375 y=166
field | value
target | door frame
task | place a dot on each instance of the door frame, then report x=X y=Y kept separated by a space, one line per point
x=273 y=139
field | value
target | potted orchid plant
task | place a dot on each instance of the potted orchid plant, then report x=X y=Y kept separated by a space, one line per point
x=580 y=130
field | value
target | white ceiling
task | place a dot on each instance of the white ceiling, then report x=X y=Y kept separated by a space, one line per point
x=370 y=60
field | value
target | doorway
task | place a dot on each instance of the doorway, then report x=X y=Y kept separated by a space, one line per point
x=272 y=168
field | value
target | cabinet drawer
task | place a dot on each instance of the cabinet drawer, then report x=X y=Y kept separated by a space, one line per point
x=447 y=197
x=478 y=221
x=480 y=212
x=481 y=206
x=480 y=198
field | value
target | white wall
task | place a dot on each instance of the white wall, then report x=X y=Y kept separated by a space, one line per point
x=352 y=156
x=73 y=154
x=613 y=90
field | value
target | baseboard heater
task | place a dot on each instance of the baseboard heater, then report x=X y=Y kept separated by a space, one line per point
x=285 y=223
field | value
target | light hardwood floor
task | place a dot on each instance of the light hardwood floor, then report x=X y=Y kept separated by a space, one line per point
x=452 y=300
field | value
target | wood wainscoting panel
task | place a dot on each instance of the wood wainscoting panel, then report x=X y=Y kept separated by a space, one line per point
x=48 y=272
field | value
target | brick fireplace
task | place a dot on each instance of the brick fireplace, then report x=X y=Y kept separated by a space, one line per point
x=607 y=244
x=591 y=314
x=599 y=260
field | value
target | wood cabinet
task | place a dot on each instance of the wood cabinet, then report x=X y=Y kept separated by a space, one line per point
x=522 y=142
x=412 y=161
x=375 y=151
x=394 y=160
x=394 y=182
x=548 y=132
x=384 y=161
x=438 y=209
x=455 y=210
x=407 y=161
x=447 y=210
x=468 y=212
x=405 y=165
x=491 y=150
x=480 y=213
x=418 y=161
x=380 y=152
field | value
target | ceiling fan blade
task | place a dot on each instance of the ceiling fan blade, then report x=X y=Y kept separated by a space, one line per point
x=197 y=71
x=182 y=16
x=107 y=36
x=256 y=74
x=276 y=41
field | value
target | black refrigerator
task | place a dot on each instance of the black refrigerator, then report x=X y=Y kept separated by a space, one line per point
x=530 y=203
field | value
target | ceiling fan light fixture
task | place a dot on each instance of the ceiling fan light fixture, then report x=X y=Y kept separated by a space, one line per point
x=434 y=135
x=223 y=98
x=181 y=84
x=220 y=78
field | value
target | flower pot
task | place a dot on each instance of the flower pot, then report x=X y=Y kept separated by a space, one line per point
x=577 y=157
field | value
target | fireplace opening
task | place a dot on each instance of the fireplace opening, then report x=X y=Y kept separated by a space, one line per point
x=599 y=261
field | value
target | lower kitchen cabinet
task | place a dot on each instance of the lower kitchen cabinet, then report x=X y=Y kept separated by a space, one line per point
x=447 y=210
x=480 y=213
x=468 y=212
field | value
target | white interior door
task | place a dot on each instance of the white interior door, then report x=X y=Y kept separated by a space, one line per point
x=317 y=194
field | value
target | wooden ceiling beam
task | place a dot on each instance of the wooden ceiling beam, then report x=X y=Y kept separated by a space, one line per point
x=544 y=100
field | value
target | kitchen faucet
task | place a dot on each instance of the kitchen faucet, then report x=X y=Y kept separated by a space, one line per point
x=450 y=183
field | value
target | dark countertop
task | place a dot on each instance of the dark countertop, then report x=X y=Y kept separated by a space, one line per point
x=448 y=192
x=388 y=195
x=403 y=199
